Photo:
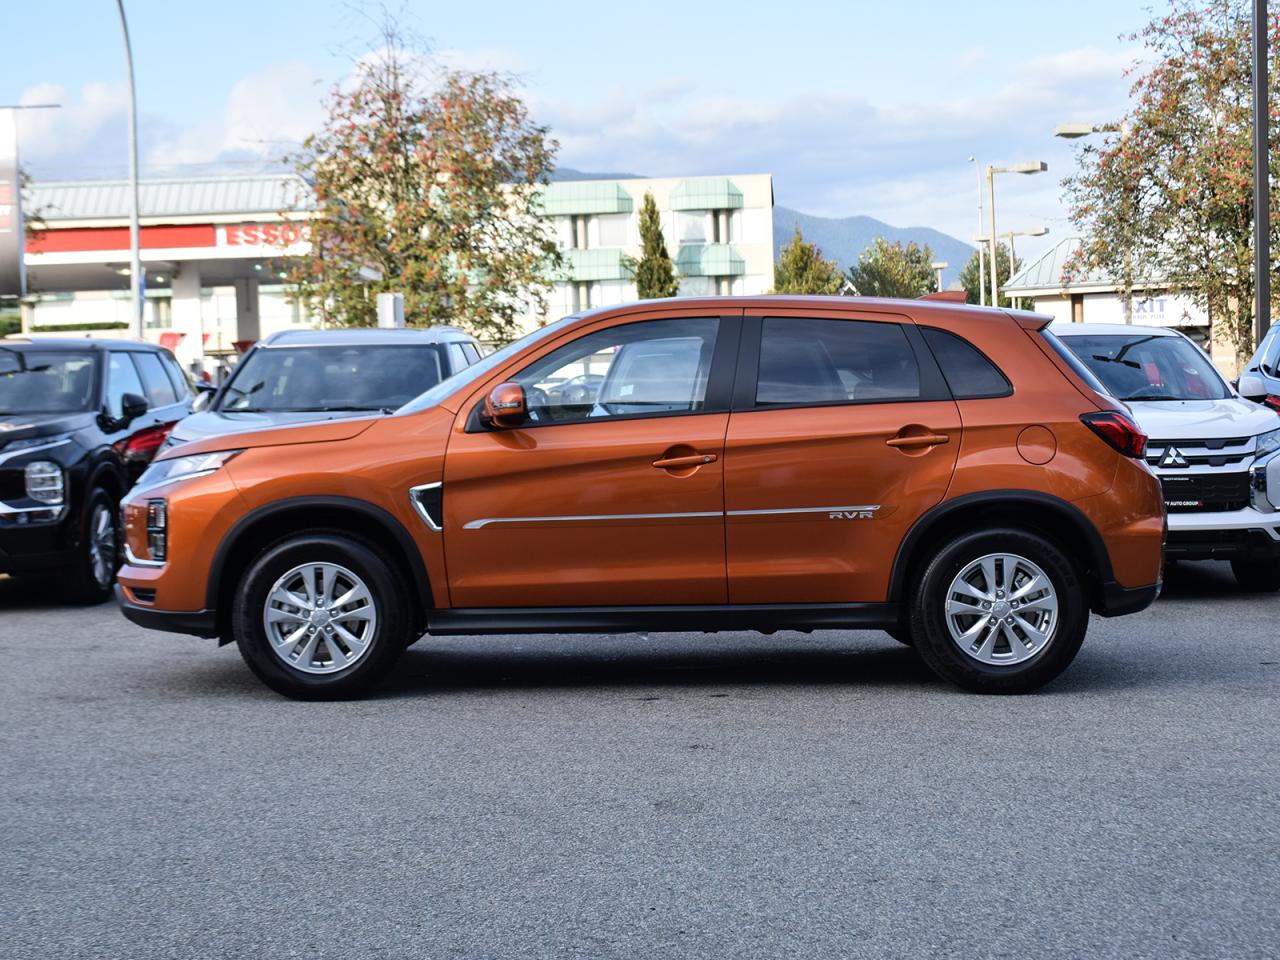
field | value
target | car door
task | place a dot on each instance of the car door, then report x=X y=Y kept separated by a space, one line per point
x=610 y=499
x=842 y=435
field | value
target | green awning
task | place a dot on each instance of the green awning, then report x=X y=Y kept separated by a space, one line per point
x=706 y=193
x=600 y=264
x=710 y=260
x=573 y=198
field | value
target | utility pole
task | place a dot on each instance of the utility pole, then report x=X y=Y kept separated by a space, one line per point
x=1261 y=171
x=982 y=260
x=136 y=280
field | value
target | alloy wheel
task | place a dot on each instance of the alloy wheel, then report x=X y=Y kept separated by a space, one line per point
x=103 y=548
x=320 y=618
x=1002 y=609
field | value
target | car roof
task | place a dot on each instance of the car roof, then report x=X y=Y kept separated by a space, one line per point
x=76 y=343
x=1107 y=329
x=365 y=336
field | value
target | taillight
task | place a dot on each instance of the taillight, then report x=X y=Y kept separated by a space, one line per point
x=142 y=446
x=1119 y=431
x=1272 y=401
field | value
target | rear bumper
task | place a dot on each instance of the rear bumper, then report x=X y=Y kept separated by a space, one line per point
x=1115 y=600
x=200 y=623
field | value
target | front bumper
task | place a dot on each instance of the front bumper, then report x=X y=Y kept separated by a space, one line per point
x=1246 y=534
x=200 y=623
x=33 y=547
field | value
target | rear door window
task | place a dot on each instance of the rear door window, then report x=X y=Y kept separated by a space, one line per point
x=811 y=362
x=156 y=383
x=122 y=378
x=968 y=372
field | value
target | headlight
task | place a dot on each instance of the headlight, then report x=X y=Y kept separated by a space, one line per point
x=184 y=468
x=1268 y=442
x=44 y=481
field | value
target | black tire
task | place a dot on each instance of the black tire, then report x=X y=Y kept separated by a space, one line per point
x=93 y=575
x=1257 y=576
x=387 y=636
x=928 y=624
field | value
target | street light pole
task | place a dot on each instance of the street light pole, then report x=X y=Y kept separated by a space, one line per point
x=1261 y=172
x=1038 y=166
x=982 y=266
x=136 y=280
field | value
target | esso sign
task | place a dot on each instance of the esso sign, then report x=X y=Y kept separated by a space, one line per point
x=265 y=234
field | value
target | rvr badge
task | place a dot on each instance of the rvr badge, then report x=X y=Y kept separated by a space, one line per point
x=858 y=513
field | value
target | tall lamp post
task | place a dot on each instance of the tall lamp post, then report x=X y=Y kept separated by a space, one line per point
x=982 y=266
x=136 y=280
x=1037 y=166
x=1009 y=235
x=1261 y=172
x=1074 y=131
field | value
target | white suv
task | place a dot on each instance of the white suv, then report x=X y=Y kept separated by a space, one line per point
x=1217 y=454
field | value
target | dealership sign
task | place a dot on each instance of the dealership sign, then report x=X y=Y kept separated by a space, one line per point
x=13 y=276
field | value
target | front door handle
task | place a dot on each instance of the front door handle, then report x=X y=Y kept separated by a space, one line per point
x=678 y=463
x=919 y=440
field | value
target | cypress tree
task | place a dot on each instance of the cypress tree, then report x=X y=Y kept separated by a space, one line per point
x=655 y=273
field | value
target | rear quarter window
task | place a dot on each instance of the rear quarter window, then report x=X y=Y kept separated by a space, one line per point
x=968 y=372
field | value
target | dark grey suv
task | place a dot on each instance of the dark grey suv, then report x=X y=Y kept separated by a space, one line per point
x=306 y=375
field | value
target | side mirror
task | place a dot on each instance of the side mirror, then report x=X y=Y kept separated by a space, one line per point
x=1252 y=387
x=505 y=406
x=133 y=406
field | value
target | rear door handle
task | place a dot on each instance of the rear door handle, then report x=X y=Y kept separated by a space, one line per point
x=921 y=440
x=676 y=463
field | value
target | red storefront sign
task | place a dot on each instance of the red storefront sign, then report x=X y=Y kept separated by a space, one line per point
x=264 y=234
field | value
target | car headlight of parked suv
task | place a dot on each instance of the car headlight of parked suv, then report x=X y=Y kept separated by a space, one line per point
x=44 y=481
x=1268 y=442
x=185 y=468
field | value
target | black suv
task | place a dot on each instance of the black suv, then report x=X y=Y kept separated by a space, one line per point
x=79 y=421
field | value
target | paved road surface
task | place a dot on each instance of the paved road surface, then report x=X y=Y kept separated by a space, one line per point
x=670 y=796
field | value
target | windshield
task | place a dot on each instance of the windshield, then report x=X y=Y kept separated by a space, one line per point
x=45 y=381
x=483 y=368
x=321 y=378
x=1143 y=366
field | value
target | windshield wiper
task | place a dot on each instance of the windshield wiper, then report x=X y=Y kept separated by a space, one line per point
x=1127 y=363
x=1154 y=396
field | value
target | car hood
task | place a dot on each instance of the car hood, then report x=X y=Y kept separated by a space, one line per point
x=1202 y=419
x=216 y=423
x=31 y=426
x=272 y=435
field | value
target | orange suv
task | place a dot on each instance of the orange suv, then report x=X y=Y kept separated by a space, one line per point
x=949 y=474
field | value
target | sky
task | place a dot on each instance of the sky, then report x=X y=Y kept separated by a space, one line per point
x=855 y=107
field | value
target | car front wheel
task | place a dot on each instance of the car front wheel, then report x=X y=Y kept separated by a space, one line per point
x=1001 y=611
x=94 y=572
x=321 y=617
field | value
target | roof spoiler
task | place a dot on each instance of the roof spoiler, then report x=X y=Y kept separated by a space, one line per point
x=1031 y=321
x=946 y=296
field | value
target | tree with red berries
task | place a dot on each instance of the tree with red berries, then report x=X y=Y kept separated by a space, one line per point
x=426 y=183
x=1168 y=195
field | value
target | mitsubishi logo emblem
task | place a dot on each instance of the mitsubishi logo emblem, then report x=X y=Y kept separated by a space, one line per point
x=1172 y=457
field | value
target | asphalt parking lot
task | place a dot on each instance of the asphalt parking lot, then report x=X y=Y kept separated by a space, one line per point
x=669 y=796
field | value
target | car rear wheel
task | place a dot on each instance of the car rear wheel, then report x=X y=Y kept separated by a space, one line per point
x=94 y=573
x=321 y=617
x=1001 y=611
x=1262 y=576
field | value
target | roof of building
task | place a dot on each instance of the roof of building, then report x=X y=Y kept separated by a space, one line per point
x=52 y=201
x=363 y=336
x=1049 y=271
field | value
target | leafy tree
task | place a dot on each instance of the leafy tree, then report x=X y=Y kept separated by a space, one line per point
x=887 y=269
x=974 y=280
x=655 y=274
x=801 y=268
x=1169 y=194
x=427 y=192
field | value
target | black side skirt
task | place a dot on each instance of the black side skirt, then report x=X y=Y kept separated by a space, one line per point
x=665 y=619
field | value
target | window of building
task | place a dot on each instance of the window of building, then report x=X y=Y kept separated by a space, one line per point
x=693 y=226
x=969 y=374
x=806 y=361
x=613 y=229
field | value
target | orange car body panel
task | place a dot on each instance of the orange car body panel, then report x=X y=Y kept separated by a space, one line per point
x=728 y=552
